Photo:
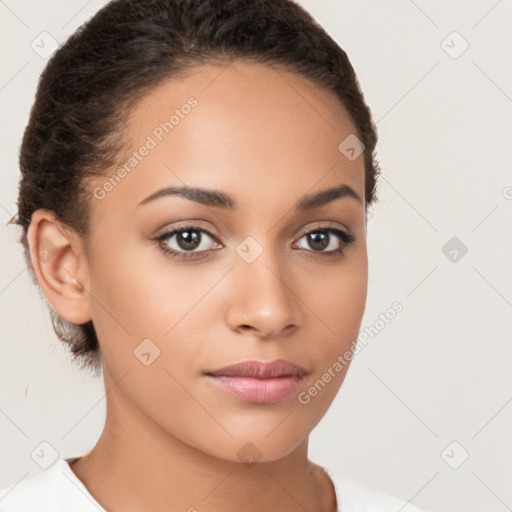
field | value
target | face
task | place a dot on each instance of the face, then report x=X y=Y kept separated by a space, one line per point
x=257 y=266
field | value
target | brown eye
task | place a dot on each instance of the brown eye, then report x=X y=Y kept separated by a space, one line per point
x=318 y=240
x=186 y=239
x=327 y=240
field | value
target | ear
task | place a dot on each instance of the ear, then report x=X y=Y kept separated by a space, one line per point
x=59 y=259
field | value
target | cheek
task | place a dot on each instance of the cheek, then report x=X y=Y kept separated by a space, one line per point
x=348 y=302
x=338 y=299
x=146 y=313
x=340 y=307
x=135 y=292
x=138 y=295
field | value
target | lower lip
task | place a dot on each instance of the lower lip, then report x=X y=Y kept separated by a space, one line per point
x=258 y=391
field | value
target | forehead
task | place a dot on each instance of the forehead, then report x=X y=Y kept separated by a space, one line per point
x=243 y=128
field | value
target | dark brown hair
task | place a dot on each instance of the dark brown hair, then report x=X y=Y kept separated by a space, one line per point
x=89 y=85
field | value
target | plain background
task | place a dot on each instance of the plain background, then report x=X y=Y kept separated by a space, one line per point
x=439 y=372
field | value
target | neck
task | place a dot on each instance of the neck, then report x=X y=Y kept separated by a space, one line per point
x=138 y=466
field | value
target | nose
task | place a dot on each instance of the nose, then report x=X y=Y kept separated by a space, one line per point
x=262 y=300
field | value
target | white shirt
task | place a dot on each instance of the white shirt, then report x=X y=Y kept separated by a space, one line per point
x=58 y=489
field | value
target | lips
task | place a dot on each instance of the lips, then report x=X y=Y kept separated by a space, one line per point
x=259 y=382
x=261 y=370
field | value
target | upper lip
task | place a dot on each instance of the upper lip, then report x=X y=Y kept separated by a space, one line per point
x=260 y=369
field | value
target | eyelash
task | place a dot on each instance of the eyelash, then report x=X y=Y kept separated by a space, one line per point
x=345 y=238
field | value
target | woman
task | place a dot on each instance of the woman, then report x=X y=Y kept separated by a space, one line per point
x=195 y=181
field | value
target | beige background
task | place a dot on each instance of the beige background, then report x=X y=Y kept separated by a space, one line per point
x=440 y=371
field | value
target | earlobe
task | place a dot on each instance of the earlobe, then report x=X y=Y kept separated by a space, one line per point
x=60 y=264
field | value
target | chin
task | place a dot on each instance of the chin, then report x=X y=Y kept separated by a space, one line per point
x=256 y=445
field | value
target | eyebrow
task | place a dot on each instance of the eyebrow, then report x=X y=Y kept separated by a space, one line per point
x=221 y=200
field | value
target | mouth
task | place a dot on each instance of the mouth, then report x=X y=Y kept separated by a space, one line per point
x=259 y=382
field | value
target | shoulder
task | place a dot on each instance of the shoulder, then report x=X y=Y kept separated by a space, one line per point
x=53 y=490
x=356 y=497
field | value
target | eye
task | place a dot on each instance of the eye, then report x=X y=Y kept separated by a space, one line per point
x=186 y=241
x=327 y=240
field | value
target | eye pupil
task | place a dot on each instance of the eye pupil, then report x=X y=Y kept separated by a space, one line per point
x=188 y=240
x=318 y=240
